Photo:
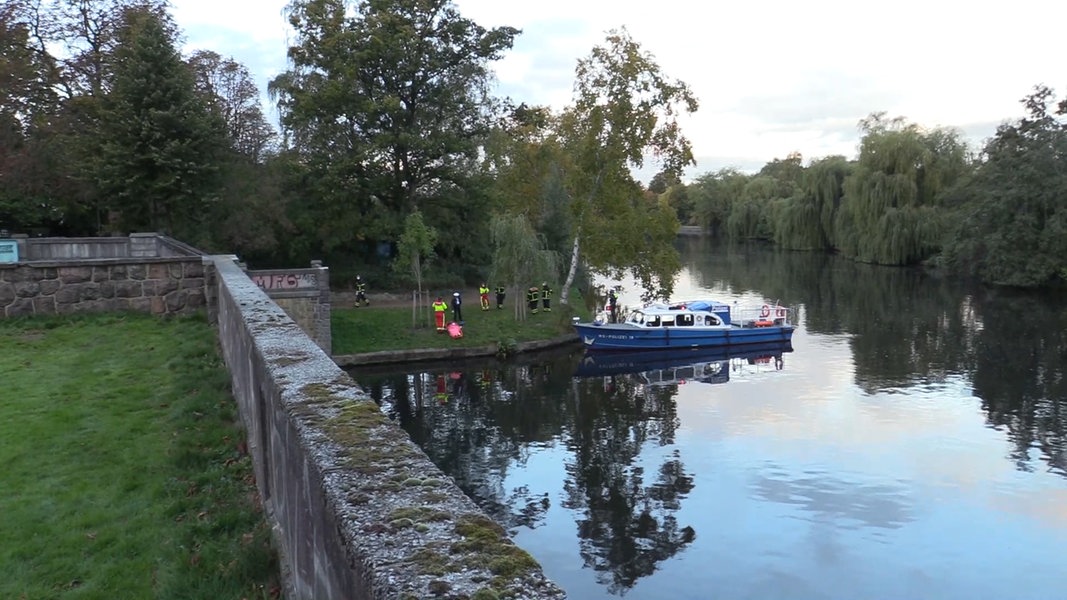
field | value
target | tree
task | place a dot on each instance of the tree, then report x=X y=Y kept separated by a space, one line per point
x=714 y=196
x=160 y=143
x=387 y=103
x=414 y=250
x=519 y=256
x=1011 y=217
x=890 y=212
x=624 y=108
x=231 y=92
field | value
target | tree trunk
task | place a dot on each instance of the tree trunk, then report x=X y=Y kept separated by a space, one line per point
x=570 y=274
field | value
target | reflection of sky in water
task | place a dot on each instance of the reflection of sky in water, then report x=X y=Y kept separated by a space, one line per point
x=808 y=488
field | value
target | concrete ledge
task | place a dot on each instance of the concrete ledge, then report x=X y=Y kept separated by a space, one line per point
x=358 y=510
x=436 y=354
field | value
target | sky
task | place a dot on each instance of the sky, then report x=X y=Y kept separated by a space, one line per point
x=772 y=77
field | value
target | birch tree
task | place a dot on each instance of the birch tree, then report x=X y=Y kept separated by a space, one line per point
x=624 y=109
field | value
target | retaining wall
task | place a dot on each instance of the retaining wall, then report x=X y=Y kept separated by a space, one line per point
x=358 y=509
x=144 y=273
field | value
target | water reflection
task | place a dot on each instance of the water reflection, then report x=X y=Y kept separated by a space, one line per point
x=913 y=445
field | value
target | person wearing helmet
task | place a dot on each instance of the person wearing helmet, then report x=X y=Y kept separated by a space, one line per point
x=457 y=308
x=546 y=297
x=532 y=295
x=361 y=292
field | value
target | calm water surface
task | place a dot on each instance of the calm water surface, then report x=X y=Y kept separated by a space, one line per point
x=910 y=446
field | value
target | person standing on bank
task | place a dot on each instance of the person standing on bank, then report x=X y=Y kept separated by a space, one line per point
x=483 y=295
x=546 y=297
x=613 y=302
x=457 y=308
x=361 y=292
x=532 y=295
x=439 y=308
x=501 y=291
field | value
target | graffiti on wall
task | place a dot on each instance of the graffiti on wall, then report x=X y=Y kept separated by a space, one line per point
x=286 y=281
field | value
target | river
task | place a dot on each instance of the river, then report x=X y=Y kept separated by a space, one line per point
x=911 y=445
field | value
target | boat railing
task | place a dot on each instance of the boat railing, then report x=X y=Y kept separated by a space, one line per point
x=766 y=315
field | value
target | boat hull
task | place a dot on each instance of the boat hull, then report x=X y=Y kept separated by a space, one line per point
x=627 y=337
x=597 y=364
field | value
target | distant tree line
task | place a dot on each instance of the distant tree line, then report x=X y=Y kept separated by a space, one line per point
x=395 y=160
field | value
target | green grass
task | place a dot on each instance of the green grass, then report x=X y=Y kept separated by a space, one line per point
x=371 y=329
x=123 y=472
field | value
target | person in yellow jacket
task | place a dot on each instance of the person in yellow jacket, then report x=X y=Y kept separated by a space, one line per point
x=483 y=293
x=439 y=309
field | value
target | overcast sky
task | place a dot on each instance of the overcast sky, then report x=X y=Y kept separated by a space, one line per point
x=772 y=77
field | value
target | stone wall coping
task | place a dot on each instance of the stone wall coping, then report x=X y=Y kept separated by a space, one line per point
x=101 y=262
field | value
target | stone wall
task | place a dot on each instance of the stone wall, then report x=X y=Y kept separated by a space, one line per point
x=358 y=510
x=157 y=286
x=304 y=294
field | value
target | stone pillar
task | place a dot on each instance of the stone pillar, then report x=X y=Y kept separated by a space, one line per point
x=323 y=329
x=144 y=245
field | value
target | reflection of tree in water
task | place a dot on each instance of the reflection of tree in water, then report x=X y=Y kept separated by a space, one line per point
x=628 y=525
x=1020 y=374
x=908 y=328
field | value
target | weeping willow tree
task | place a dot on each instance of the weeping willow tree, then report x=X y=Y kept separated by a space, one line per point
x=519 y=257
x=714 y=194
x=751 y=216
x=806 y=222
x=890 y=211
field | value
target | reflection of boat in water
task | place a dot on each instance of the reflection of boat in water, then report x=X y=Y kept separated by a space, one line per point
x=662 y=367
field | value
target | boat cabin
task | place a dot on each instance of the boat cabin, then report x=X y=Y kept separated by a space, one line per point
x=694 y=314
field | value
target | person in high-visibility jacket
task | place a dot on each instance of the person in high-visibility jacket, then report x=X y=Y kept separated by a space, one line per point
x=439 y=310
x=361 y=292
x=483 y=294
x=532 y=296
x=501 y=291
x=546 y=297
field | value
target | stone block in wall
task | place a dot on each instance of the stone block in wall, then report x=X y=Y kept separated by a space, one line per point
x=75 y=274
x=143 y=305
x=128 y=289
x=158 y=271
x=49 y=286
x=190 y=269
x=195 y=299
x=175 y=270
x=159 y=287
x=107 y=289
x=192 y=283
x=68 y=294
x=47 y=273
x=159 y=306
x=101 y=274
x=44 y=305
x=22 y=307
x=17 y=274
x=175 y=300
x=137 y=272
x=7 y=293
x=118 y=273
x=89 y=292
x=27 y=289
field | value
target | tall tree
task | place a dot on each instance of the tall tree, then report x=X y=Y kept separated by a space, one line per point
x=624 y=108
x=232 y=93
x=1011 y=217
x=387 y=102
x=519 y=256
x=891 y=212
x=160 y=143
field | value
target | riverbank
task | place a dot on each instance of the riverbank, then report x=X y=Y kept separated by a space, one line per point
x=384 y=333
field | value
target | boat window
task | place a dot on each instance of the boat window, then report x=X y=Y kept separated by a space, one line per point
x=668 y=322
x=684 y=320
x=654 y=321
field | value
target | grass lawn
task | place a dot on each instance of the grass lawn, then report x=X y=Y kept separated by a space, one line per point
x=123 y=475
x=372 y=329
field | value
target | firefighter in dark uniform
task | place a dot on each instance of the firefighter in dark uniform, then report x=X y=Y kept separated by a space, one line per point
x=546 y=297
x=532 y=295
x=361 y=292
x=501 y=291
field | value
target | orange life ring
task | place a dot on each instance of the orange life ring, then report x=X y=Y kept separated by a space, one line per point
x=780 y=312
x=765 y=311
